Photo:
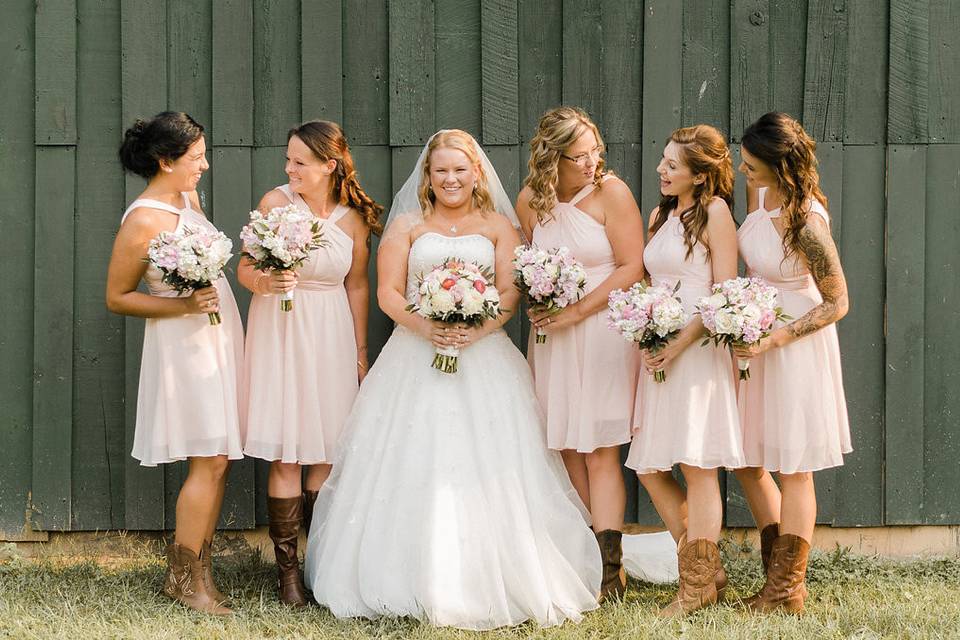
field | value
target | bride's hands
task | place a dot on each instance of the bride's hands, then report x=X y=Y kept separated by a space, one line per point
x=444 y=334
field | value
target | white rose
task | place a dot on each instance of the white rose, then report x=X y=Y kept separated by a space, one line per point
x=472 y=303
x=716 y=301
x=442 y=301
x=727 y=322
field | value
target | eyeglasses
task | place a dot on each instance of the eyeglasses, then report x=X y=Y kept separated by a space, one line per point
x=581 y=158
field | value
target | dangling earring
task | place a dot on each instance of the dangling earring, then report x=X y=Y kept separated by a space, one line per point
x=168 y=169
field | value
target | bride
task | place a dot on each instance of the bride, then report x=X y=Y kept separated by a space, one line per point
x=444 y=502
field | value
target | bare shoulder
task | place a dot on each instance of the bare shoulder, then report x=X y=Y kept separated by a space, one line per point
x=148 y=220
x=272 y=199
x=653 y=217
x=614 y=191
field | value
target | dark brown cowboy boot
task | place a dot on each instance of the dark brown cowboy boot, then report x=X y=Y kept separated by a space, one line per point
x=784 y=588
x=309 y=498
x=614 y=581
x=185 y=584
x=698 y=562
x=206 y=558
x=285 y=516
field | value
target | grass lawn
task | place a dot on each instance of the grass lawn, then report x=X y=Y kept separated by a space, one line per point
x=851 y=597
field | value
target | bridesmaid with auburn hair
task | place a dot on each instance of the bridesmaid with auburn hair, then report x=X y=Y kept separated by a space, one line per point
x=585 y=374
x=303 y=367
x=793 y=410
x=188 y=405
x=690 y=418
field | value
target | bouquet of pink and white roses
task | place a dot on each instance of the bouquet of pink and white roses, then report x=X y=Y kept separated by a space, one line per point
x=552 y=279
x=281 y=239
x=190 y=258
x=647 y=315
x=456 y=291
x=740 y=312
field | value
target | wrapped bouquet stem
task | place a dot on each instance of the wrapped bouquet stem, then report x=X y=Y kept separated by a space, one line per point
x=740 y=312
x=281 y=239
x=551 y=279
x=191 y=258
x=455 y=292
x=647 y=315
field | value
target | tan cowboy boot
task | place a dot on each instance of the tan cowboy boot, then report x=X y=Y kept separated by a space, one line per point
x=767 y=535
x=698 y=562
x=185 y=584
x=614 y=581
x=285 y=516
x=206 y=558
x=785 y=588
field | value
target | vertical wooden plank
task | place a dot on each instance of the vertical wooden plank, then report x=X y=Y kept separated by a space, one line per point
x=830 y=157
x=749 y=55
x=941 y=402
x=944 y=82
x=267 y=170
x=276 y=70
x=374 y=173
x=412 y=69
x=865 y=101
x=583 y=57
x=662 y=40
x=908 y=98
x=143 y=42
x=321 y=60
x=500 y=71
x=706 y=64
x=787 y=50
x=506 y=161
x=232 y=83
x=56 y=69
x=540 y=51
x=826 y=69
x=232 y=193
x=16 y=262
x=904 y=430
x=98 y=346
x=624 y=159
x=622 y=78
x=859 y=490
x=189 y=53
x=366 y=63
x=53 y=322
x=458 y=94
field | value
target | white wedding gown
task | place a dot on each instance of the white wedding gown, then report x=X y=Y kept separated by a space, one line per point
x=444 y=502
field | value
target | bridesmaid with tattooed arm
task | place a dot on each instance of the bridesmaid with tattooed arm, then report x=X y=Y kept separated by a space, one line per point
x=792 y=409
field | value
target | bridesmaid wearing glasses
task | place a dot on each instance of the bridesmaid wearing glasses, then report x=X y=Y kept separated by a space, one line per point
x=585 y=374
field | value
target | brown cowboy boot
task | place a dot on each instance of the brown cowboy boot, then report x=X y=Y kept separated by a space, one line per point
x=614 y=581
x=206 y=557
x=185 y=584
x=285 y=515
x=699 y=563
x=721 y=580
x=767 y=535
x=309 y=498
x=784 y=588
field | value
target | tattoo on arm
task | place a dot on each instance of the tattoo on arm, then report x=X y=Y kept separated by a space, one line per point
x=818 y=248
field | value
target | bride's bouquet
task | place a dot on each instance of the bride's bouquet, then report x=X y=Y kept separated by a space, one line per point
x=456 y=291
x=647 y=315
x=551 y=279
x=740 y=312
x=281 y=239
x=190 y=258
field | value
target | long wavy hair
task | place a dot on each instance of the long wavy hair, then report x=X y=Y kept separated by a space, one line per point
x=704 y=151
x=781 y=143
x=327 y=142
x=461 y=141
x=557 y=130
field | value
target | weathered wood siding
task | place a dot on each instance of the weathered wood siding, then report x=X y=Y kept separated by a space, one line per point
x=874 y=81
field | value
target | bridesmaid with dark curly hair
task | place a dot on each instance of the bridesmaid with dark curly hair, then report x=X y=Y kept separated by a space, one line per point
x=792 y=409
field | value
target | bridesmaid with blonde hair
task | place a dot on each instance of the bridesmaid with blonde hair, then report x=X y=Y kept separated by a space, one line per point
x=304 y=366
x=691 y=418
x=793 y=409
x=188 y=402
x=585 y=375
